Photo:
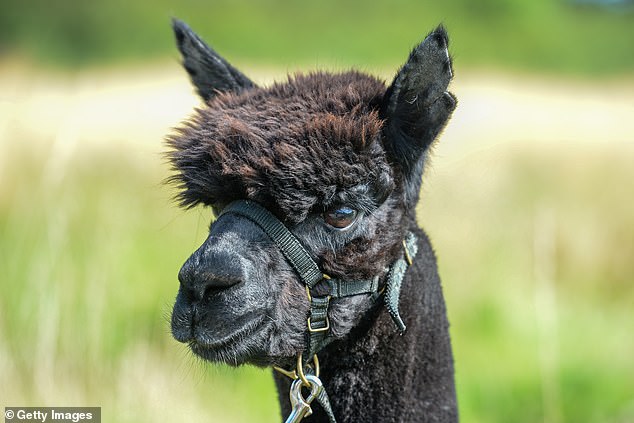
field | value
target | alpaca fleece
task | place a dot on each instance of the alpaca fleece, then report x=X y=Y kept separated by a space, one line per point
x=304 y=149
x=297 y=147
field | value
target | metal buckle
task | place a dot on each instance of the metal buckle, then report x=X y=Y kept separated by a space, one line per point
x=324 y=329
x=311 y=329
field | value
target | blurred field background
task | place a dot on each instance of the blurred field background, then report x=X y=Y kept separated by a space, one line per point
x=529 y=200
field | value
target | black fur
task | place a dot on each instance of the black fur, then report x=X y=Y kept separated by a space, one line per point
x=299 y=148
x=416 y=108
x=209 y=72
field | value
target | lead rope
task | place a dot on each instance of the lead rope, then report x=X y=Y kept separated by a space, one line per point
x=318 y=323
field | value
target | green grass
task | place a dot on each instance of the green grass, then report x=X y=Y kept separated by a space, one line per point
x=537 y=270
x=544 y=35
x=534 y=246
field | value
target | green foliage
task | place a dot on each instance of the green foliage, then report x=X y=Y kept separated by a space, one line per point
x=545 y=35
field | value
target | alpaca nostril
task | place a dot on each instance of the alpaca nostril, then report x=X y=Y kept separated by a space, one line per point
x=215 y=266
x=210 y=284
x=205 y=286
x=202 y=277
x=211 y=290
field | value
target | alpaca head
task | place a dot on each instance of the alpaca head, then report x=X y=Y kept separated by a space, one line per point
x=338 y=158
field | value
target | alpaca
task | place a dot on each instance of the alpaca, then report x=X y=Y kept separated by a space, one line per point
x=315 y=250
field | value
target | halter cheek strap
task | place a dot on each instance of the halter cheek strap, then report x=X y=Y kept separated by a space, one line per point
x=290 y=247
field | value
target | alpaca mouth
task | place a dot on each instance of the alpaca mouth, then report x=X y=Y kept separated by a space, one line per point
x=233 y=348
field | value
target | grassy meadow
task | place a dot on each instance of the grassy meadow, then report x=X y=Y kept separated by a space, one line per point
x=534 y=238
x=528 y=199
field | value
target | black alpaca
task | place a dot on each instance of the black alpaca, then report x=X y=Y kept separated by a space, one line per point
x=338 y=160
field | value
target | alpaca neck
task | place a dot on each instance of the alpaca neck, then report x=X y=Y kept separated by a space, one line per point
x=378 y=375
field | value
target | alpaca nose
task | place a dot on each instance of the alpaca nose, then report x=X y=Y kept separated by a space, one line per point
x=209 y=270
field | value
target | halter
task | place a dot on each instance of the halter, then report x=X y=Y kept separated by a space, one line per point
x=318 y=324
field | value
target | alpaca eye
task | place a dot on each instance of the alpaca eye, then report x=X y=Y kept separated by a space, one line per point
x=341 y=217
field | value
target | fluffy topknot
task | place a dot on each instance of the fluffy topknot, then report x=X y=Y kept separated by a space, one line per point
x=294 y=146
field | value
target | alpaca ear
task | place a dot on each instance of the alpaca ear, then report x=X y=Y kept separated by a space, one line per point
x=416 y=107
x=209 y=72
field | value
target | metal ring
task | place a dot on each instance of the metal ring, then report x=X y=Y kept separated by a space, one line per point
x=300 y=369
x=290 y=374
x=294 y=373
x=310 y=298
x=316 y=364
